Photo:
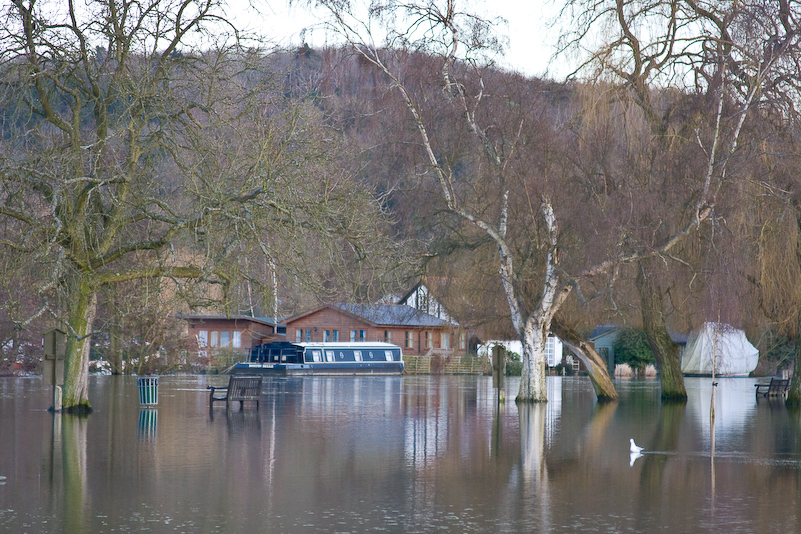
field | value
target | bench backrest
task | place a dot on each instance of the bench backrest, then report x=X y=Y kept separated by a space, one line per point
x=244 y=386
x=779 y=383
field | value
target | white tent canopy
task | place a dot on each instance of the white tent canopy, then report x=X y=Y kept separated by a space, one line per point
x=727 y=346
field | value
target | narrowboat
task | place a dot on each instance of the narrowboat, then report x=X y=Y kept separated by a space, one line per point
x=287 y=358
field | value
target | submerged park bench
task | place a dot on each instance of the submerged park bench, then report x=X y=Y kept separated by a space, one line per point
x=240 y=388
x=776 y=387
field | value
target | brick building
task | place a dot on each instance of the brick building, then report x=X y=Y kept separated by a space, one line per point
x=237 y=332
x=416 y=332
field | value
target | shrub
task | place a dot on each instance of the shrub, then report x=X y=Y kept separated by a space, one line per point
x=514 y=368
x=631 y=347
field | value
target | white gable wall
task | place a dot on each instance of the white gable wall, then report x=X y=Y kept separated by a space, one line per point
x=422 y=299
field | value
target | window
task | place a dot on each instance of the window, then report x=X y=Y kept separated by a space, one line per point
x=335 y=336
x=202 y=338
x=225 y=338
x=362 y=335
x=327 y=336
x=388 y=355
x=444 y=340
x=409 y=339
x=317 y=355
x=353 y=334
x=463 y=341
x=388 y=336
x=308 y=335
x=357 y=355
x=298 y=335
x=236 y=342
x=215 y=339
x=329 y=355
x=429 y=340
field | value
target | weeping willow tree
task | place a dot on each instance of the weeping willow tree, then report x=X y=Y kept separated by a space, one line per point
x=141 y=141
x=737 y=61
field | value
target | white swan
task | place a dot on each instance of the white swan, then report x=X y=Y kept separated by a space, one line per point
x=634 y=447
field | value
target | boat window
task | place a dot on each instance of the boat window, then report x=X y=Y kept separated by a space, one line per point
x=357 y=355
x=317 y=355
x=388 y=355
x=329 y=355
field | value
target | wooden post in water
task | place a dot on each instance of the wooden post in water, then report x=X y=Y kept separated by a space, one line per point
x=55 y=345
x=498 y=371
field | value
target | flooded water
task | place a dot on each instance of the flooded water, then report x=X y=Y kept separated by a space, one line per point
x=397 y=454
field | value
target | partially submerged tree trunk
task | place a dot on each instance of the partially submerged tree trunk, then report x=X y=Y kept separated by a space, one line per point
x=596 y=366
x=794 y=393
x=666 y=352
x=532 y=382
x=81 y=317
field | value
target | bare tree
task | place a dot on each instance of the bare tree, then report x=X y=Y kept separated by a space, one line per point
x=132 y=152
x=461 y=43
x=732 y=60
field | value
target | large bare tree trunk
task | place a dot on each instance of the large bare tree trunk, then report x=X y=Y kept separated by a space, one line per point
x=794 y=394
x=532 y=380
x=82 y=306
x=596 y=366
x=665 y=351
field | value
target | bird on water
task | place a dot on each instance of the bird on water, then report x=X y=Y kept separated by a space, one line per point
x=634 y=446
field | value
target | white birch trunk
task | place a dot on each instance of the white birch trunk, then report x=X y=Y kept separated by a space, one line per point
x=532 y=383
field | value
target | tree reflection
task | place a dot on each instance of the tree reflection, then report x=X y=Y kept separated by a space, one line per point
x=666 y=438
x=532 y=448
x=69 y=488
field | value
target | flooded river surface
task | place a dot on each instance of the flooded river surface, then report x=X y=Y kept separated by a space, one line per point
x=398 y=454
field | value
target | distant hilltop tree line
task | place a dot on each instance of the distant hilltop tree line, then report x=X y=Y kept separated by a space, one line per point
x=145 y=175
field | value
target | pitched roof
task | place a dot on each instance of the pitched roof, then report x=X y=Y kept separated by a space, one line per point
x=392 y=315
x=602 y=330
x=216 y=317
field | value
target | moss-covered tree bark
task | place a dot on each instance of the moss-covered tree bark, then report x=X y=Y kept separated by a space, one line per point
x=80 y=320
x=666 y=352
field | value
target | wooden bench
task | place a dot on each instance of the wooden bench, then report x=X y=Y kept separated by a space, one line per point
x=776 y=387
x=240 y=388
